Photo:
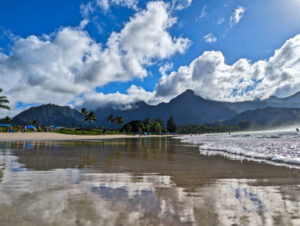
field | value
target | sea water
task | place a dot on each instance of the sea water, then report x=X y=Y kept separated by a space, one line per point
x=278 y=146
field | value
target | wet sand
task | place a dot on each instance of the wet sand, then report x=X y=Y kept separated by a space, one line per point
x=58 y=136
x=149 y=181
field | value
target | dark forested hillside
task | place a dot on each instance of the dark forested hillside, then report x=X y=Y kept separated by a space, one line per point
x=49 y=114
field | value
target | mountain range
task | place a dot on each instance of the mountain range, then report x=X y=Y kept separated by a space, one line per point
x=288 y=102
x=49 y=114
x=187 y=108
x=269 y=117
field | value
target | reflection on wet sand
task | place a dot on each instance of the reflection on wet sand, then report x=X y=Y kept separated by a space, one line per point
x=140 y=182
x=2 y=167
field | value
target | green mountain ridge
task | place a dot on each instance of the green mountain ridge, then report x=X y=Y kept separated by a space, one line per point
x=269 y=117
x=187 y=108
x=49 y=114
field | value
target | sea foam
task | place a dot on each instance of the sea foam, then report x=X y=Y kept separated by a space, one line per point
x=281 y=147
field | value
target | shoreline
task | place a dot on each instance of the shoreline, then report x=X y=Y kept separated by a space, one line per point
x=59 y=136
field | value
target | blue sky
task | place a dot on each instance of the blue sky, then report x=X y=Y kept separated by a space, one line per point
x=261 y=28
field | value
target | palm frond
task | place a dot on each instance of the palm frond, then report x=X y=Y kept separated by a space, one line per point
x=4 y=106
x=3 y=97
x=4 y=101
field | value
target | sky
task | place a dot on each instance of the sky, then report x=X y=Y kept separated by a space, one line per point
x=95 y=53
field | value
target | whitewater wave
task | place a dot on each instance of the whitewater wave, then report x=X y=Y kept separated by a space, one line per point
x=279 y=147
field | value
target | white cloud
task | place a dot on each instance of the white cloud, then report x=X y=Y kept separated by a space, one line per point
x=66 y=66
x=203 y=12
x=83 y=24
x=86 y=9
x=181 y=4
x=209 y=38
x=210 y=77
x=58 y=67
x=237 y=16
x=221 y=20
x=115 y=100
x=106 y=4
x=166 y=67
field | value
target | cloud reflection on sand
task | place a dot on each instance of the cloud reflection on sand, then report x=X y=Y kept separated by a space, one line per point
x=71 y=196
x=74 y=183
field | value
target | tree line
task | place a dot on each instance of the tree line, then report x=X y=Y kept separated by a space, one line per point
x=197 y=129
x=156 y=126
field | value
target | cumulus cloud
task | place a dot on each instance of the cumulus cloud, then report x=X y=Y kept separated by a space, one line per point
x=58 y=67
x=115 y=100
x=37 y=65
x=209 y=38
x=210 y=77
x=237 y=16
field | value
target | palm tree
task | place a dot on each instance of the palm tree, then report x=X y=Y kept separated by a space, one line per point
x=35 y=123
x=171 y=124
x=4 y=101
x=110 y=118
x=83 y=113
x=119 y=120
x=90 y=116
x=7 y=119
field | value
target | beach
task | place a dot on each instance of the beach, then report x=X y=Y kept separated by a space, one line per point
x=148 y=181
x=59 y=136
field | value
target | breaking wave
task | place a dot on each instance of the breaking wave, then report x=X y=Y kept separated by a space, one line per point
x=280 y=147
